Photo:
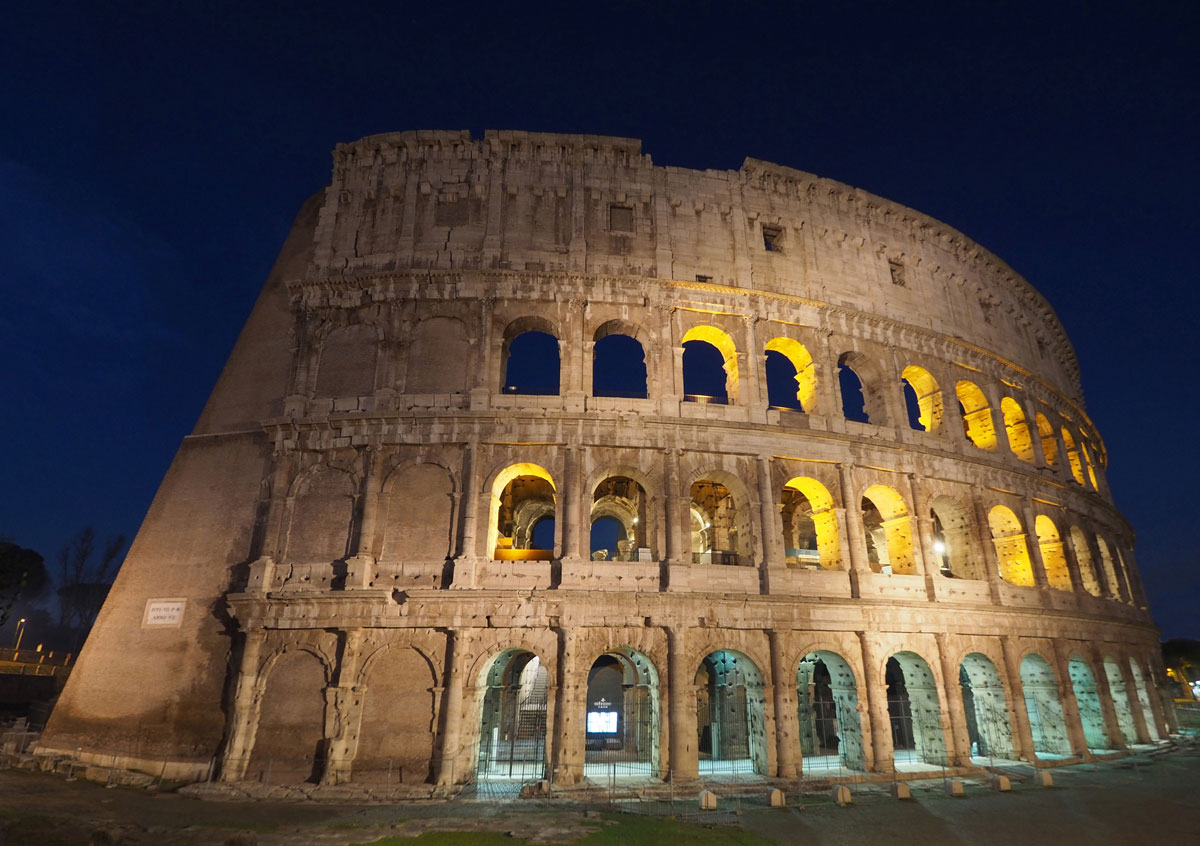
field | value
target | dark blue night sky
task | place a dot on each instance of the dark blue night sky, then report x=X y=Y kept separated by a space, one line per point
x=151 y=164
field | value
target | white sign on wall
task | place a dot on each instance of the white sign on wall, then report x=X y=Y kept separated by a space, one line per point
x=163 y=612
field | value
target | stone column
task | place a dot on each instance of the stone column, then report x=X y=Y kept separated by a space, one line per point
x=1108 y=706
x=1066 y=692
x=959 y=739
x=570 y=710
x=1022 y=731
x=754 y=373
x=856 y=542
x=990 y=559
x=487 y=372
x=677 y=553
x=574 y=529
x=1035 y=438
x=684 y=761
x=452 y=766
x=787 y=732
x=571 y=356
x=1029 y=518
x=468 y=552
x=277 y=507
x=772 y=528
x=1073 y=559
x=243 y=722
x=923 y=542
x=343 y=711
x=877 y=708
x=359 y=566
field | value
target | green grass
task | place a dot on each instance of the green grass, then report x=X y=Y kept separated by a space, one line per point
x=624 y=830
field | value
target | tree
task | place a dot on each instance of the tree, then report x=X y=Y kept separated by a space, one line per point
x=84 y=580
x=22 y=576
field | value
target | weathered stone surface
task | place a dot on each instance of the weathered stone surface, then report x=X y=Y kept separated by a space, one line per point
x=353 y=527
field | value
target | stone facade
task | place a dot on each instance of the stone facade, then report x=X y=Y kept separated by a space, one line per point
x=909 y=559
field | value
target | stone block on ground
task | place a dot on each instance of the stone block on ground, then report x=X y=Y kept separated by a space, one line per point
x=1001 y=783
x=841 y=795
x=1045 y=779
x=776 y=798
x=954 y=787
x=900 y=790
x=708 y=800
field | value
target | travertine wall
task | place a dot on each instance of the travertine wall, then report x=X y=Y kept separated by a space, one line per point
x=342 y=494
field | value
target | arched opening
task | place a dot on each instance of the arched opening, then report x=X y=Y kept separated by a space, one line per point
x=791 y=375
x=953 y=530
x=810 y=530
x=1019 y=439
x=923 y=399
x=730 y=721
x=1054 y=559
x=827 y=707
x=522 y=498
x=1046 y=434
x=289 y=743
x=1042 y=703
x=1087 y=461
x=618 y=367
x=322 y=517
x=720 y=527
x=1143 y=698
x=976 y=415
x=859 y=382
x=1110 y=569
x=710 y=366
x=1123 y=574
x=986 y=708
x=512 y=727
x=1012 y=553
x=530 y=359
x=1072 y=455
x=619 y=530
x=622 y=716
x=1120 y=698
x=916 y=716
x=416 y=508
x=396 y=735
x=888 y=532
x=1083 y=554
x=1095 y=734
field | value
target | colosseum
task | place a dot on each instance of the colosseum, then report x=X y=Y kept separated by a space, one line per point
x=538 y=462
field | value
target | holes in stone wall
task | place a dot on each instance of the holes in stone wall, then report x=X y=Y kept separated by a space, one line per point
x=1095 y=733
x=1044 y=707
x=730 y=720
x=1054 y=557
x=916 y=717
x=619 y=520
x=1019 y=439
x=1049 y=444
x=953 y=539
x=827 y=708
x=988 y=728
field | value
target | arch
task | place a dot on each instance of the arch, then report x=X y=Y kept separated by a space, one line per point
x=1017 y=430
x=622 y=723
x=1083 y=554
x=1072 y=455
x=1012 y=552
x=730 y=714
x=914 y=712
x=860 y=376
x=289 y=742
x=1121 y=700
x=700 y=379
x=512 y=723
x=720 y=503
x=1048 y=724
x=805 y=374
x=347 y=362
x=439 y=357
x=978 y=425
x=618 y=366
x=1110 y=569
x=1054 y=559
x=953 y=533
x=396 y=735
x=888 y=531
x=986 y=707
x=1087 y=462
x=926 y=396
x=1143 y=698
x=831 y=736
x=529 y=358
x=416 y=511
x=322 y=516
x=518 y=501
x=623 y=499
x=1046 y=435
x=1087 y=697
x=810 y=526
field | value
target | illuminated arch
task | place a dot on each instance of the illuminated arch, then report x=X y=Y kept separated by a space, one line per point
x=976 y=414
x=1046 y=434
x=1072 y=455
x=499 y=485
x=1019 y=439
x=719 y=339
x=721 y=503
x=1012 y=553
x=1087 y=460
x=1110 y=569
x=1054 y=558
x=806 y=371
x=888 y=531
x=1083 y=554
x=806 y=502
x=928 y=396
x=953 y=529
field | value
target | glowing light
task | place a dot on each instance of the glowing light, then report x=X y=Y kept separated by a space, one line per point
x=939 y=547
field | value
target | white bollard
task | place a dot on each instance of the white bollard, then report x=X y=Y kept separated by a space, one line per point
x=954 y=787
x=1001 y=783
x=1044 y=779
x=900 y=790
x=708 y=800
x=775 y=798
x=841 y=795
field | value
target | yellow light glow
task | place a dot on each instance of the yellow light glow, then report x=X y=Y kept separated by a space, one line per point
x=806 y=372
x=929 y=396
x=1054 y=559
x=1012 y=552
x=977 y=415
x=824 y=520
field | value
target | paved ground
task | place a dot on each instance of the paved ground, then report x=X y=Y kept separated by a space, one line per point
x=1123 y=802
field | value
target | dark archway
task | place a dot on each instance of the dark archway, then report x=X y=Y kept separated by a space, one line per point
x=622 y=722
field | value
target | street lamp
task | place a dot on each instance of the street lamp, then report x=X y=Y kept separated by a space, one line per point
x=20 y=632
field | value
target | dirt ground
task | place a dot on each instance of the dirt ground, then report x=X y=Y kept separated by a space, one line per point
x=1131 y=801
